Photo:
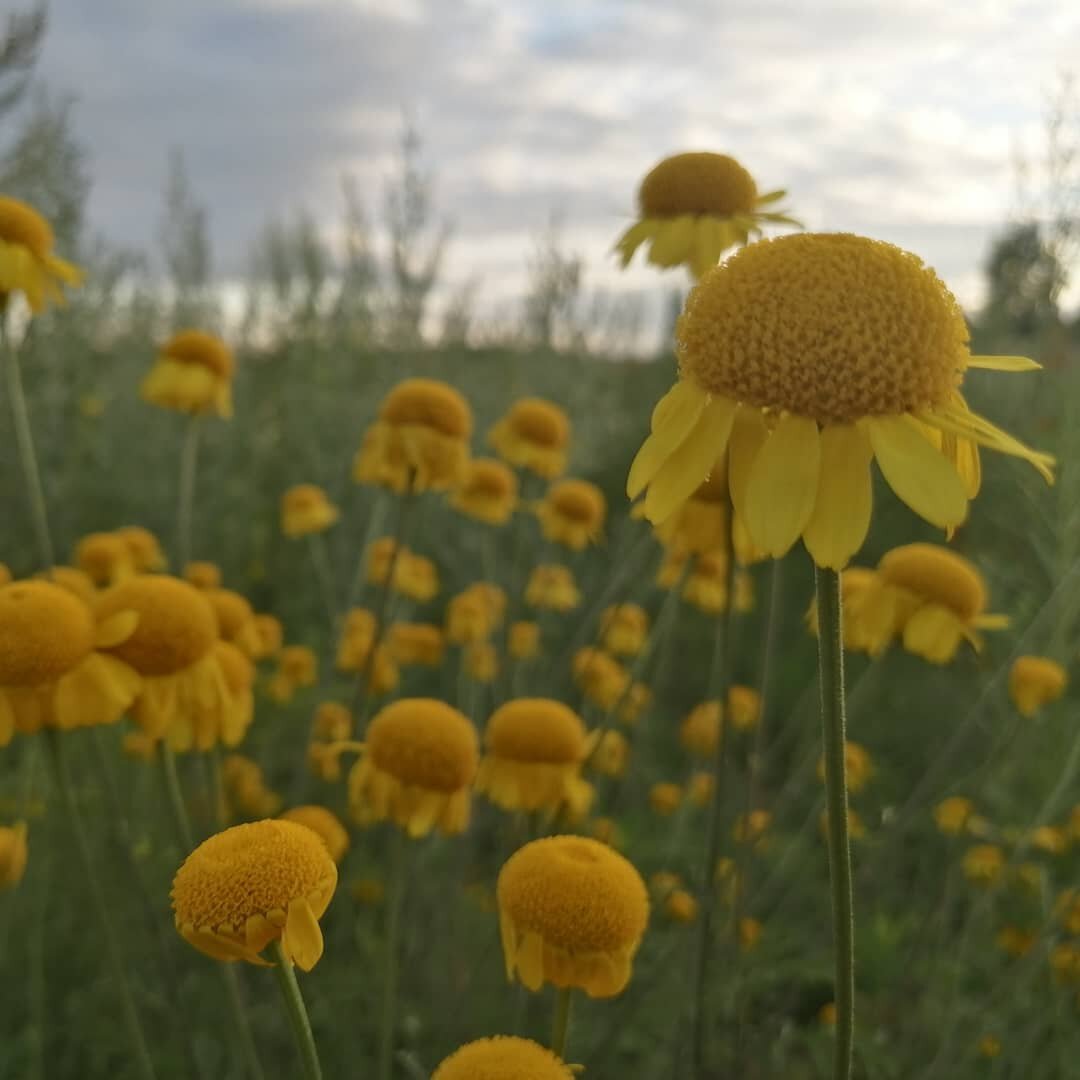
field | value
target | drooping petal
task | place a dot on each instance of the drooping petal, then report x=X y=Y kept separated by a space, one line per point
x=115 y=629
x=673 y=241
x=633 y=238
x=770 y=197
x=917 y=471
x=748 y=435
x=672 y=421
x=783 y=484
x=841 y=517
x=1004 y=363
x=302 y=937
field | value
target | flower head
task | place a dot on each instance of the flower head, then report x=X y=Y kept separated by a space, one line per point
x=805 y=358
x=27 y=262
x=572 y=912
x=297 y=666
x=488 y=492
x=665 y=798
x=105 y=557
x=417 y=643
x=481 y=661
x=524 y=640
x=603 y=680
x=624 y=629
x=193 y=374
x=1035 y=681
x=700 y=731
x=305 y=509
x=13 y=854
x=235 y=618
x=533 y=435
x=203 y=575
x=983 y=864
x=325 y=824
x=271 y=635
x=473 y=615
x=505 y=1057
x=572 y=513
x=144 y=548
x=951 y=815
x=552 y=587
x=221 y=720
x=254 y=884
x=858 y=766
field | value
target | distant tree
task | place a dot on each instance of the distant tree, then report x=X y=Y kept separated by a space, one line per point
x=1024 y=279
x=354 y=311
x=457 y=319
x=554 y=291
x=20 y=45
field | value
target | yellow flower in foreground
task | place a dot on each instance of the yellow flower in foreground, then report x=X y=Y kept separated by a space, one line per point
x=420 y=761
x=805 y=358
x=624 y=629
x=983 y=864
x=1035 y=681
x=857 y=762
x=52 y=670
x=305 y=509
x=572 y=912
x=572 y=513
x=27 y=262
x=952 y=814
x=254 y=884
x=225 y=718
x=488 y=492
x=325 y=824
x=417 y=643
x=144 y=547
x=13 y=854
x=236 y=619
x=420 y=440
x=533 y=435
x=693 y=207
x=203 y=575
x=193 y=374
x=534 y=749
x=524 y=641
x=553 y=587
x=504 y=1057
x=105 y=558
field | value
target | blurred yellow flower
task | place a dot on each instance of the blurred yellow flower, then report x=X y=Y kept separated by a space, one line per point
x=1015 y=941
x=203 y=575
x=246 y=787
x=105 y=558
x=235 y=619
x=744 y=708
x=572 y=912
x=533 y=435
x=699 y=733
x=306 y=509
x=1035 y=681
x=752 y=827
x=572 y=513
x=856 y=828
x=603 y=680
x=481 y=661
x=827 y=1014
x=417 y=643
x=750 y=931
x=1065 y=962
x=524 y=642
x=224 y=719
x=706 y=585
x=699 y=791
x=13 y=854
x=952 y=814
x=270 y=634
x=473 y=615
x=357 y=640
x=413 y=575
x=325 y=824
x=665 y=798
x=681 y=906
x=636 y=700
x=1067 y=909
x=193 y=373
x=552 y=587
x=27 y=262
x=333 y=722
x=611 y=754
x=504 y=1057
x=858 y=763
x=989 y=1047
x=488 y=492
x=144 y=547
x=77 y=582
x=983 y=864
x=1050 y=839
x=624 y=629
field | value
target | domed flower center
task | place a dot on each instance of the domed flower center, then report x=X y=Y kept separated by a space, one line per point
x=304 y=497
x=937 y=575
x=176 y=626
x=45 y=631
x=504 y=1057
x=232 y=610
x=697 y=183
x=489 y=479
x=832 y=327
x=424 y=743
x=202 y=349
x=428 y=403
x=540 y=422
x=536 y=730
x=578 y=501
x=23 y=225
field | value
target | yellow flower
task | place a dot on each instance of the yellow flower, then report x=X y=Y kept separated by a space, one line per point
x=534 y=749
x=13 y=854
x=552 y=587
x=706 y=583
x=1048 y=838
x=481 y=661
x=414 y=576
x=856 y=828
x=665 y=798
x=298 y=666
x=473 y=615
x=171 y=647
x=603 y=680
x=193 y=374
x=420 y=440
x=105 y=558
x=681 y=906
x=533 y=435
x=144 y=547
x=983 y=864
x=637 y=699
x=504 y=1057
x=325 y=824
x=952 y=814
x=27 y=262
x=751 y=828
x=1014 y=941
x=989 y=1047
x=1065 y=962
x=699 y=791
x=357 y=640
x=333 y=722
x=611 y=754
x=246 y=787
x=488 y=492
x=827 y=1014
x=606 y=831
x=693 y=207
x=252 y=885
x=749 y=933
x=1035 y=681
x=226 y=718
x=420 y=762
x=270 y=633
x=235 y=618
x=699 y=732
x=744 y=708
x=664 y=882
x=524 y=641
x=203 y=575
x=858 y=764
x=1067 y=909
x=873 y=613
x=77 y=582
x=572 y=513
x=624 y=629
x=805 y=358
x=305 y=509
x=417 y=643
x=572 y=912
x=53 y=672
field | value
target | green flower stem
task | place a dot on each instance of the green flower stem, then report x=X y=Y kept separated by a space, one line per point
x=181 y=821
x=185 y=507
x=298 y=1016
x=248 y=1051
x=324 y=575
x=831 y=675
x=561 y=1025
x=394 y=900
x=141 y=1054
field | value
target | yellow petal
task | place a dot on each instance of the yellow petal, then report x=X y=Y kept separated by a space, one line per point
x=116 y=629
x=1004 y=363
x=672 y=420
x=673 y=242
x=770 y=197
x=302 y=938
x=782 y=485
x=917 y=471
x=841 y=516
x=748 y=435
x=633 y=238
x=692 y=462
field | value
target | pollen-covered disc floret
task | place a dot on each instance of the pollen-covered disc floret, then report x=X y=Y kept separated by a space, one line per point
x=504 y=1057
x=254 y=884
x=534 y=434
x=572 y=912
x=421 y=758
x=27 y=262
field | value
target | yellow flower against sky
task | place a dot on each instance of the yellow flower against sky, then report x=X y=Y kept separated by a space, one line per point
x=193 y=373
x=28 y=264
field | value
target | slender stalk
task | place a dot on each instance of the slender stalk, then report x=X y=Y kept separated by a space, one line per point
x=324 y=575
x=181 y=820
x=560 y=1027
x=248 y=1051
x=390 y=969
x=831 y=675
x=185 y=506
x=298 y=1016
x=141 y=1054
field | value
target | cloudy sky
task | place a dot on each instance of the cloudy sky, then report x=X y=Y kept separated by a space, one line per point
x=898 y=119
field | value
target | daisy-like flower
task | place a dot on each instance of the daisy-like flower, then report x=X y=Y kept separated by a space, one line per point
x=474 y=614
x=952 y=815
x=572 y=912
x=873 y=616
x=572 y=513
x=805 y=358
x=419 y=763
x=603 y=680
x=144 y=547
x=306 y=509
x=325 y=824
x=693 y=207
x=193 y=374
x=254 y=884
x=413 y=575
x=552 y=587
x=624 y=629
x=54 y=671
x=420 y=440
x=247 y=789
x=983 y=864
x=236 y=619
x=524 y=640
x=533 y=435
x=298 y=667
x=105 y=558
x=13 y=854
x=27 y=262
x=504 y=1057
x=533 y=752
x=1035 y=681
x=488 y=492
x=225 y=721
x=417 y=643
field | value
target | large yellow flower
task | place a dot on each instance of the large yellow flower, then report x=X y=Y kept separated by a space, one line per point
x=533 y=435
x=805 y=358
x=572 y=912
x=572 y=513
x=105 y=558
x=695 y=206
x=193 y=373
x=27 y=262
x=488 y=492
x=52 y=672
x=254 y=884
x=504 y=1057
